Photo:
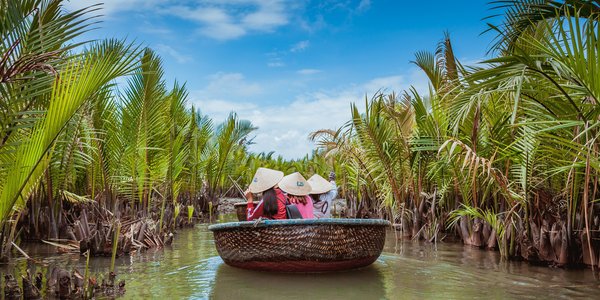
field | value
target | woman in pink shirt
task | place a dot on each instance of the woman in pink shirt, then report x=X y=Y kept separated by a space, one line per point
x=297 y=189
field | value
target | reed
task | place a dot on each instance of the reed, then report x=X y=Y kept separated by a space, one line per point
x=176 y=213
x=86 y=277
x=190 y=213
x=115 y=243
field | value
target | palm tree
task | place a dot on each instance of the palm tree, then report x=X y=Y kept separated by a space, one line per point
x=80 y=78
x=44 y=86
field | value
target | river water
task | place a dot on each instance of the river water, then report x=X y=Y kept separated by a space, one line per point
x=191 y=269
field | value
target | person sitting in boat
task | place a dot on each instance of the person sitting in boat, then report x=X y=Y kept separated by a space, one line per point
x=297 y=190
x=323 y=192
x=272 y=205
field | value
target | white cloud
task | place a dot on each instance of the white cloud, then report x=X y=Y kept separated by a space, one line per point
x=395 y=82
x=275 y=63
x=211 y=15
x=270 y=15
x=276 y=58
x=284 y=127
x=110 y=7
x=232 y=83
x=216 y=22
x=227 y=20
x=231 y=86
x=363 y=5
x=300 y=46
x=315 y=25
x=398 y=83
x=308 y=71
x=219 y=110
x=170 y=51
x=220 y=20
x=223 y=31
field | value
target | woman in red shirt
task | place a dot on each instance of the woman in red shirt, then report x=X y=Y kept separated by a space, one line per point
x=272 y=205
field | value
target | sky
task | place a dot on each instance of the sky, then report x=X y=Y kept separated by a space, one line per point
x=292 y=66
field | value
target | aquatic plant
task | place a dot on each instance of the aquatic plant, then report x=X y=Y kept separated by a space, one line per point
x=503 y=153
x=75 y=150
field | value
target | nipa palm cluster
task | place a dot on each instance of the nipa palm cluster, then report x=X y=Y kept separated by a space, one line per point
x=78 y=152
x=503 y=153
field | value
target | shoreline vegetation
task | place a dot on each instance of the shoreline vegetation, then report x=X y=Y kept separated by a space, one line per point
x=89 y=165
x=502 y=154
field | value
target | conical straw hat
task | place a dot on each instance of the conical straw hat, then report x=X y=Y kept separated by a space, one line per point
x=319 y=184
x=264 y=179
x=295 y=184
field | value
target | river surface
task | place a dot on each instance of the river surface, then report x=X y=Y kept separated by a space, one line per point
x=191 y=269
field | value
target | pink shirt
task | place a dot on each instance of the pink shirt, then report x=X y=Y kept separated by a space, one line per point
x=306 y=210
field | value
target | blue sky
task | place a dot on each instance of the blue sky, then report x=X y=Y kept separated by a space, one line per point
x=292 y=67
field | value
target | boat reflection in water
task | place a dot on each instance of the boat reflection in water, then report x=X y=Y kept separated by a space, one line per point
x=235 y=283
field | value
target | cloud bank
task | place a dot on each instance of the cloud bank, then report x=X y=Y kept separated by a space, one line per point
x=284 y=128
x=220 y=20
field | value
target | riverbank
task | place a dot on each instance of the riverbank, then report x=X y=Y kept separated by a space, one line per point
x=191 y=268
x=473 y=260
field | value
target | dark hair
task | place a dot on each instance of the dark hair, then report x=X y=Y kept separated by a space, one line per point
x=315 y=197
x=270 y=205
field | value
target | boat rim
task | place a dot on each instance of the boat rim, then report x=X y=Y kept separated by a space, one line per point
x=269 y=223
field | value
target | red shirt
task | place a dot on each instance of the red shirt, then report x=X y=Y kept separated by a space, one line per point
x=255 y=213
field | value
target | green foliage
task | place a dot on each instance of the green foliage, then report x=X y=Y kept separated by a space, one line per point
x=27 y=158
x=507 y=141
x=68 y=133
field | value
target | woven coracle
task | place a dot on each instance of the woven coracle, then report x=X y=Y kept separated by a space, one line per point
x=240 y=211
x=315 y=245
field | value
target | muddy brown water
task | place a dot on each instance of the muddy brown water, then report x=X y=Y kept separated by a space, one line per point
x=191 y=269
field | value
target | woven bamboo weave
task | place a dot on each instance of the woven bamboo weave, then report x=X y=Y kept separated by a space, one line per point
x=319 y=245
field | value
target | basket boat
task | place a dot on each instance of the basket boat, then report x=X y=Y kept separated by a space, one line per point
x=308 y=245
